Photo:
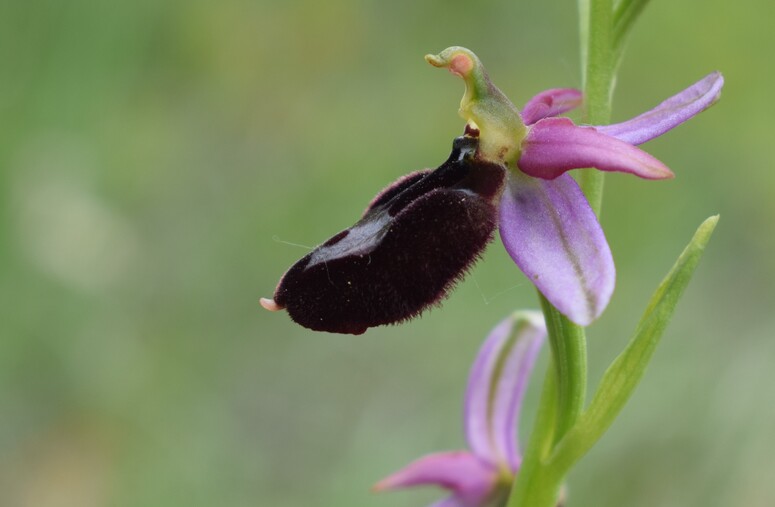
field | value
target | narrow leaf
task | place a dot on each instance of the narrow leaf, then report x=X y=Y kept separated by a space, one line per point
x=623 y=375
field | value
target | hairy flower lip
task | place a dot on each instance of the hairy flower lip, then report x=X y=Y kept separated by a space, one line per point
x=416 y=239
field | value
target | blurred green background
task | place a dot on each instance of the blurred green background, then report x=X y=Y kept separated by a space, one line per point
x=160 y=159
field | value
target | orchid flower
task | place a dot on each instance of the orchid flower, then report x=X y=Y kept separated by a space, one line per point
x=482 y=475
x=420 y=235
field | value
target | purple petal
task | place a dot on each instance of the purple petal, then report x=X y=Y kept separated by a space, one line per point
x=551 y=103
x=555 y=145
x=553 y=235
x=670 y=113
x=496 y=386
x=469 y=478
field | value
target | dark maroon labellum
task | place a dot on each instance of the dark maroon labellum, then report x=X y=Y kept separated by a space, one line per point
x=415 y=240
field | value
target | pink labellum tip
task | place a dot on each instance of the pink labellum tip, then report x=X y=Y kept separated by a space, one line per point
x=270 y=305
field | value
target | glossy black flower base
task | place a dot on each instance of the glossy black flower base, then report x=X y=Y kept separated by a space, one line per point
x=415 y=240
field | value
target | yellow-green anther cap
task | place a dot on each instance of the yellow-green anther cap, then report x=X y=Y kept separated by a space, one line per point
x=485 y=108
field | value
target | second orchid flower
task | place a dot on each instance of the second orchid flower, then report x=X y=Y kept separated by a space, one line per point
x=482 y=475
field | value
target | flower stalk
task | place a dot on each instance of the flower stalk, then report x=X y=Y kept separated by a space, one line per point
x=599 y=71
x=569 y=350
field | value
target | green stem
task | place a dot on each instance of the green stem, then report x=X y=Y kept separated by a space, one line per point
x=569 y=351
x=599 y=70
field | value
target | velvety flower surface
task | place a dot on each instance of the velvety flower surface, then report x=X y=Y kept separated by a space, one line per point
x=482 y=475
x=416 y=238
x=421 y=234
